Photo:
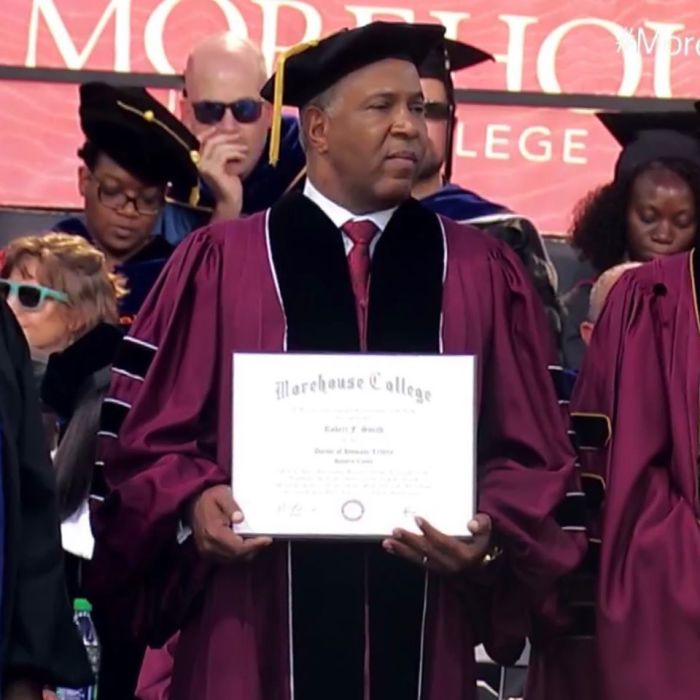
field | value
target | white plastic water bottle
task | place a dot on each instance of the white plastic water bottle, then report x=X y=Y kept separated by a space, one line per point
x=83 y=620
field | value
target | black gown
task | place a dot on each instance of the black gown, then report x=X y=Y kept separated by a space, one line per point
x=39 y=639
x=75 y=381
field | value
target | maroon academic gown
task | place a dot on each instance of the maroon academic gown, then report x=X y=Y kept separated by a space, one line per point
x=279 y=281
x=636 y=406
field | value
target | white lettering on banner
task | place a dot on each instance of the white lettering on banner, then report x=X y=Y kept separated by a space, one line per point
x=270 y=13
x=73 y=58
x=364 y=14
x=545 y=145
x=547 y=57
x=571 y=145
x=155 y=28
x=514 y=57
x=662 y=59
x=646 y=45
x=461 y=150
x=450 y=20
x=502 y=142
x=661 y=39
x=492 y=140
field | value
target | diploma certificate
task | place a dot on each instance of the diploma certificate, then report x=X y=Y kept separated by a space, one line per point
x=353 y=445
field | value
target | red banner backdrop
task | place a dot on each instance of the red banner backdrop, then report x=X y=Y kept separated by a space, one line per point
x=538 y=161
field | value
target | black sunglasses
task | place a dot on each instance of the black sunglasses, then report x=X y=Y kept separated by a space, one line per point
x=245 y=111
x=438 y=111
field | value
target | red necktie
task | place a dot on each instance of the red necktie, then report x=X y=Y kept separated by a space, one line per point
x=361 y=234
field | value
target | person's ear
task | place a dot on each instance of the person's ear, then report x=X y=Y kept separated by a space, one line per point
x=267 y=114
x=186 y=113
x=586 y=331
x=316 y=123
x=83 y=180
x=75 y=322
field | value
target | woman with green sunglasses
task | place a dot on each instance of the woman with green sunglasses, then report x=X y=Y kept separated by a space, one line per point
x=29 y=296
x=59 y=288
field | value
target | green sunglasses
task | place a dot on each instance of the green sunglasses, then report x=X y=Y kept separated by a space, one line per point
x=31 y=296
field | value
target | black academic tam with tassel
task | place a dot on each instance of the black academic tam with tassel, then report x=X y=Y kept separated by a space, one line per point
x=142 y=136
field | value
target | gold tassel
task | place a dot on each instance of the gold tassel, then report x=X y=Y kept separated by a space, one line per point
x=277 y=103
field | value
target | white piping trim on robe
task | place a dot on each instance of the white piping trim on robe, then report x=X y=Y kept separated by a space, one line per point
x=124 y=373
x=491 y=218
x=444 y=277
x=107 y=433
x=274 y=277
x=136 y=341
x=118 y=402
x=422 y=636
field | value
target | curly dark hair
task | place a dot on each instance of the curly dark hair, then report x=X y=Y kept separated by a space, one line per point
x=89 y=154
x=599 y=230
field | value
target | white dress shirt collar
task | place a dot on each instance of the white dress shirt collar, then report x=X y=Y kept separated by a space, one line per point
x=339 y=215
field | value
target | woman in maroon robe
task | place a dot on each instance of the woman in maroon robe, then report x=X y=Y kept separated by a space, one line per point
x=649 y=209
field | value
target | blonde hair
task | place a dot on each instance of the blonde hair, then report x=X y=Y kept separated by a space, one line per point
x=71 y=265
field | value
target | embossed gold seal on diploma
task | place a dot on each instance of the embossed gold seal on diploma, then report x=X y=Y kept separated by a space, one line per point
x=353 y=445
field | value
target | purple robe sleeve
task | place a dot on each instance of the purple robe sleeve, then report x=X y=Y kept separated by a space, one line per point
x=526 y=464
x=525 y=459
x=158 y=445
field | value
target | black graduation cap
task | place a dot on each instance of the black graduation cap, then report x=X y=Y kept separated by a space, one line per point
x=450 y=56
x=136 y=131
x=306 y=70
x=443 y=60
x=649 y=136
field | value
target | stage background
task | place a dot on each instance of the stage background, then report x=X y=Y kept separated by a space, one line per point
x=527 y=136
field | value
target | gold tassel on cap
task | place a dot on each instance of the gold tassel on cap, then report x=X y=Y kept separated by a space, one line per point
x=277 y=103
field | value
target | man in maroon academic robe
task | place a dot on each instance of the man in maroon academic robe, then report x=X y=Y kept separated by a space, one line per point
x=264 y=620
x=637 y=410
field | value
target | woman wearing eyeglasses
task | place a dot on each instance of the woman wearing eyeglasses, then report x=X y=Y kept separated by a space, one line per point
x=65 y=299
x=136 y=152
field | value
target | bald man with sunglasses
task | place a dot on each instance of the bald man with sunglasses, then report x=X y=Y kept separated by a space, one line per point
x=222 y=107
